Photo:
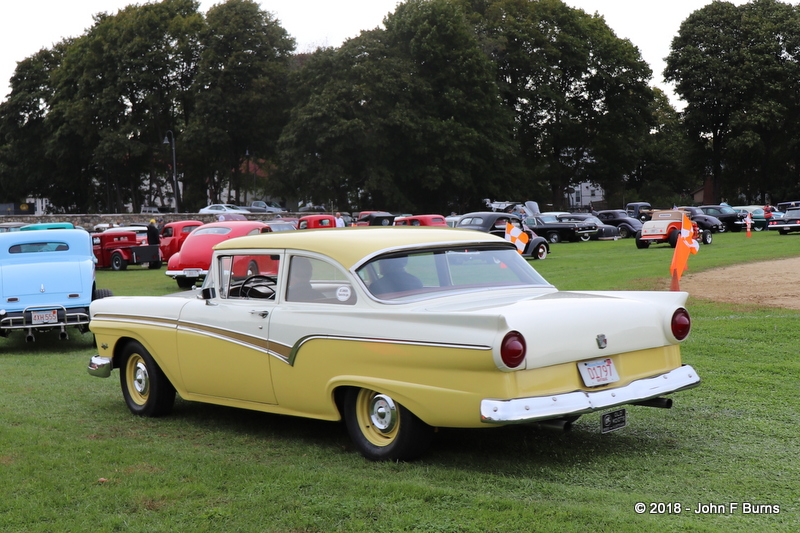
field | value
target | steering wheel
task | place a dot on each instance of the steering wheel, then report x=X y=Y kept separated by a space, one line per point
x=257 y=283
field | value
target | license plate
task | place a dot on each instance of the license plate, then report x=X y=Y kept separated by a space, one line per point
x=44 y=317
x=598 y=372
x=191 y=272
x=613 y=421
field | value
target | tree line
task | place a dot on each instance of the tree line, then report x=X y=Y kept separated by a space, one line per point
x=451 y=102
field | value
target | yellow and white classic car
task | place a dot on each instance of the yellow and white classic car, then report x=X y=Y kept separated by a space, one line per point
x=396 y=331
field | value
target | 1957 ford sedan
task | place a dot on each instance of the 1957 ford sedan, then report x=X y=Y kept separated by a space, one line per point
x=396 y=331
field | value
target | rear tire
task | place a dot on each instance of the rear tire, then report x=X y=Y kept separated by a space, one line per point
x=640 y=244
x=540 y=251
x=118 y=262
x=624 y=232
x=383 y=430
x=553 y=237
x=184 y=282
x=673 y=238
x=101 y=293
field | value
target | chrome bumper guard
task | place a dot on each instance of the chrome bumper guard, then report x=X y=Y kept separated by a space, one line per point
x=100 y=367
x=522 y=410
x=70 y=318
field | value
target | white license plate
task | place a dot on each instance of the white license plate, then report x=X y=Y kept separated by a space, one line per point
x=598 y=372
x=192 y=272
x=44 y=317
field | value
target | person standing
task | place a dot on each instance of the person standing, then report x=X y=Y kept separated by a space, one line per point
x=339 y=220
x=152 y=233
x=767 y=215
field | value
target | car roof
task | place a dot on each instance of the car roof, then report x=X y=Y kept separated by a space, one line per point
x=349 y=246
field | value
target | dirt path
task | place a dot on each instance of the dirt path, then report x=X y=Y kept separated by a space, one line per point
x=769 y=283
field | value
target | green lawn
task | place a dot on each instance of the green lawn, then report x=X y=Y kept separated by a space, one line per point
x=72 y=458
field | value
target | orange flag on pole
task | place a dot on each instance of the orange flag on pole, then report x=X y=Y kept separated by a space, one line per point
x=517 y=236
x=686 y=245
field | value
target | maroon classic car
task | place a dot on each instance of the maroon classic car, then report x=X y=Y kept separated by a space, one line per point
x=118 y=249
x=191 y=263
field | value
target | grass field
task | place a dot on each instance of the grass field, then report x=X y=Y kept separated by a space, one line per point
x=72 y=457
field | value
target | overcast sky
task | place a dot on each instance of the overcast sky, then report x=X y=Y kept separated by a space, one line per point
x=27 y=26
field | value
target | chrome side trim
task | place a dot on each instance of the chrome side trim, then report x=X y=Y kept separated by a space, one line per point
x=522 y=410
x=293 y=354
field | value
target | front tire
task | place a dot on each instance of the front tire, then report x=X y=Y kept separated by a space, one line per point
x=145 y=387
x=707 y=237
x=382 y=429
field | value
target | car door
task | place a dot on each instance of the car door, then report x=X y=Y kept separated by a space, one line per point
x=223 y=344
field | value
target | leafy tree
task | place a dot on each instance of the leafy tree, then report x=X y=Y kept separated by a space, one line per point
x=24 y=167
x=241 y=101
x=736 y=67
x=402 y=118
x=578 y=93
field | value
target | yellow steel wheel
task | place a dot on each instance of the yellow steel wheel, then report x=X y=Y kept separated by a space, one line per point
x=145 y=387
x=382 y=429
x=377 y=417
x=137 y=379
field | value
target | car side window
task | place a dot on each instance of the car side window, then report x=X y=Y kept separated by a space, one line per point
x=249 y=276
x=313 y=280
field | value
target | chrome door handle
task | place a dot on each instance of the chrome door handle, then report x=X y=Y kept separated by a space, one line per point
x=262 y=314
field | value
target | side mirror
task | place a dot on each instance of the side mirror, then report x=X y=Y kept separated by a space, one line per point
x=208 y=293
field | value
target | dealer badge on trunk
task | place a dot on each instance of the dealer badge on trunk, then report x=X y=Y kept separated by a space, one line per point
x=602 y=342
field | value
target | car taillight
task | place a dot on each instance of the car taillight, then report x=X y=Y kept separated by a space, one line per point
x=681 y=323
x=512 y=351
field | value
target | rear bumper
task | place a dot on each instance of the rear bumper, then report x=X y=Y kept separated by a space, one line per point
x=522 y=410
x=73 y=316
x=188 y=273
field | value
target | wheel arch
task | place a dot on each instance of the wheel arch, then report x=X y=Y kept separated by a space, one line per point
x=123 y=341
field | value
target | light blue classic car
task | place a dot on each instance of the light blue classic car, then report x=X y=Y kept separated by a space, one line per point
x=47 y=281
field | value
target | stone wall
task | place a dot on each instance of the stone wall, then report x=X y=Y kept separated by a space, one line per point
x=89 y=221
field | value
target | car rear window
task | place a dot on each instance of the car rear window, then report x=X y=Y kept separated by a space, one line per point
x=218 y=230
x=35 y=247
x=428 y=273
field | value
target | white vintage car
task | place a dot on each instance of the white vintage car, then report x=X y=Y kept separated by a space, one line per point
x=395 y=330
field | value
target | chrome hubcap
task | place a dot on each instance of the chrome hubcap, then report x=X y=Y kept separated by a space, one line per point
x=141 y=379
x=383 y=413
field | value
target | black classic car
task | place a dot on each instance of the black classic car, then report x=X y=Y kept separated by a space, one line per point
x=790 y=222
x=703 y=221
x=730 y=218
x=605 y=232
x=555 y=231
x=626 y=224
x=496 y=223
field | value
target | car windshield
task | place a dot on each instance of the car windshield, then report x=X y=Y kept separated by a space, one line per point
x=430 y=273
